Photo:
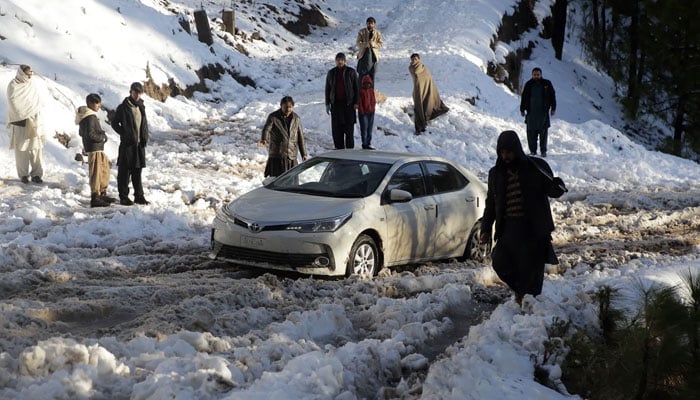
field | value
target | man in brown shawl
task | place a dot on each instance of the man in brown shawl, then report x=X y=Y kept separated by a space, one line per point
x=283 y=132
x=426 y=99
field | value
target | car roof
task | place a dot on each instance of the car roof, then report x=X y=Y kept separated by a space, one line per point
x=384 y=157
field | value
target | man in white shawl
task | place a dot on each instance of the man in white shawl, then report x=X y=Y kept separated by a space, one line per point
x=26 y=136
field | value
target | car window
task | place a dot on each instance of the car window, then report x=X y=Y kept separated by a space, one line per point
x=409 y=178
x=443 y=177
x=332 y=177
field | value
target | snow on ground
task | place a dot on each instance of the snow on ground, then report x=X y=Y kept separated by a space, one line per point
x=121 y=303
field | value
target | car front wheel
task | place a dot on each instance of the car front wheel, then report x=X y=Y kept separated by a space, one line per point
x=364 y=257
x=477 y=251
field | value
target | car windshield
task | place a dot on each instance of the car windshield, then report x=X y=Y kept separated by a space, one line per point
x=332 y=177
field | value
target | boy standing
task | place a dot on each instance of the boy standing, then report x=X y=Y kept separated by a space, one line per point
x=94 y=139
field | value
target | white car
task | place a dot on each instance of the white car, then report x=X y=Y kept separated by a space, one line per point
x=353 y=212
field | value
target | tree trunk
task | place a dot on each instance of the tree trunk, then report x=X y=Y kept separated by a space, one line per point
x=603 y=40
x=678 y=122
x=632 y=87
x=559 y=26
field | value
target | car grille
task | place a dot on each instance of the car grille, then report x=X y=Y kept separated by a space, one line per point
x=288 y=260
x=263 y=228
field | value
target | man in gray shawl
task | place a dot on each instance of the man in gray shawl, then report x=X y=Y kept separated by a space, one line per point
x=426 y=99
x=537 y=103
x=26 y=132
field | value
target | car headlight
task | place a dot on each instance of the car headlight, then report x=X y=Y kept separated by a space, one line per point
x=319 y=225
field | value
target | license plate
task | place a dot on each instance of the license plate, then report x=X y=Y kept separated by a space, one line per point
x=249 y=241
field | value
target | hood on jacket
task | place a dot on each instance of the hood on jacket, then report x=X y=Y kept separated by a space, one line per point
x=367 y=80
x=509 y=140
x=83 y=112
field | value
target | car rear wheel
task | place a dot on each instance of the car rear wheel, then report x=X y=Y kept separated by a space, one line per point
x=364 y=257
x=477 y=251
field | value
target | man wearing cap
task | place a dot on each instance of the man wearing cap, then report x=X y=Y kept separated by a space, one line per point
x=369 y=41
x=130 y=123
x=342 y=101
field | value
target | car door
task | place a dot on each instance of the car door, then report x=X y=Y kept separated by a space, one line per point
x=456 y=209
x=411 y=224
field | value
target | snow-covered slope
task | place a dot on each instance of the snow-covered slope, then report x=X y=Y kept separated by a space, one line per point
x=258 y=338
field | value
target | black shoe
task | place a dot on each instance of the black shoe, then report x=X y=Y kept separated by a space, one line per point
x=544 y=154
x=97 y=201
x=141 y=200
x=37 y=179
x=125 y=201
x=107 y=198
x=25 y=179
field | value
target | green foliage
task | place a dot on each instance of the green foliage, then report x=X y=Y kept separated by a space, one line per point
x=655 y=354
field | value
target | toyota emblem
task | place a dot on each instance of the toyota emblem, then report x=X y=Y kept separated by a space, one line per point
x=255 y=228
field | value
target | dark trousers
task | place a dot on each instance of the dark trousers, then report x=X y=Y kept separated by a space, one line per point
x=123 y=175
x=518 y=258
x=532 y=140
x=366 y=125
x=343 y=126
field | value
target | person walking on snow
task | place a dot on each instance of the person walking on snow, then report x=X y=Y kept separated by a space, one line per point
x=94 y=138
x=427 y=104
x=285 y=136
x=132 y=126
x=517 y=202
x=369 y=41
x=365 y=112
x=342 y=98
x=537 y=102
x=27 y=138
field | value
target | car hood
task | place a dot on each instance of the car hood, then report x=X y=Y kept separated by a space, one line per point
x=265 y=205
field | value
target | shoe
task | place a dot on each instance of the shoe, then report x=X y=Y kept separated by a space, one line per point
x=544 y=154
x=25 y=179
x=125 y=201
x=141 y=200
x=37 y=179
x=107 y=198
x=532 y=153
x=97 y=201
x=368 y=148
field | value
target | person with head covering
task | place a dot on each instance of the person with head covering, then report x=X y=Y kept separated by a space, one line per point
x=94 y=138
x=342 y=98
x=369 y=41
x=284 y=135
x=517 y=202
x=27 y=138
x=130 y=123
x=537 y=103
x=427 y=104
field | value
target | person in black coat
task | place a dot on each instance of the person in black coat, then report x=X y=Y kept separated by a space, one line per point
x=94 y=138
x=517 y=201
x=342 y=101
x=130 y=123
x=537 y=102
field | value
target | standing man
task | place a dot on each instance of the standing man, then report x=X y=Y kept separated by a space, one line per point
x=369 y=40
x=342 y=101
x=427 y=104
x=26 y=133
x=517 y=201
x=283 y=132
x=130 y=123
x=94 y=139
x=539 y=101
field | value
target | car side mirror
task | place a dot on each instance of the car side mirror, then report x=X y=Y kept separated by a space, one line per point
x=399 y=196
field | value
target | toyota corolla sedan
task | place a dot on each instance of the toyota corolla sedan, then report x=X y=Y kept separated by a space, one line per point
x=353 y=212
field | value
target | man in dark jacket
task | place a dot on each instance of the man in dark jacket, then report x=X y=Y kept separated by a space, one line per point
x=94 y=138
x=283 y=132
x=537 y=103
x=130 y=123
x=517 y=201
x=342 y=100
